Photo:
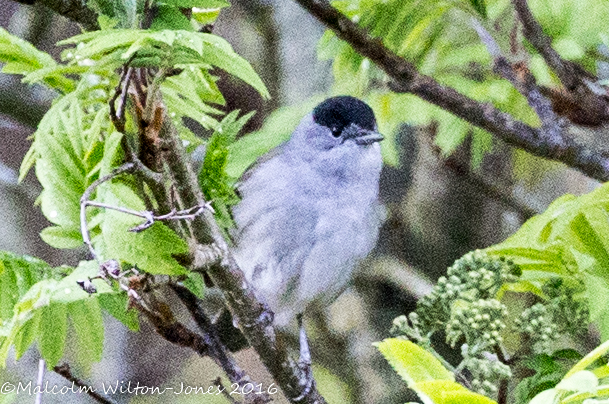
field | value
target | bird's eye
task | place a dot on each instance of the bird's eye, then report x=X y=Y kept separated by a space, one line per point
x=336 y=132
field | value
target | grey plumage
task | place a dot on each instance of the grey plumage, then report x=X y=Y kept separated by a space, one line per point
x=309 y=210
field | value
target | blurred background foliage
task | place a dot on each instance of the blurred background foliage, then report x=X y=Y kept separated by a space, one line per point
x=449 y=188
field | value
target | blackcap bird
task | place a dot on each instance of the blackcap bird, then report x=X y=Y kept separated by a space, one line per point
x=309 y=210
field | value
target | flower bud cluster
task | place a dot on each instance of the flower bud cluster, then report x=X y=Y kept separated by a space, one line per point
x=477 y=271
x=463 y=305
x=537 y=322
x=486 y=374
x=475 y=276
x=477 y=323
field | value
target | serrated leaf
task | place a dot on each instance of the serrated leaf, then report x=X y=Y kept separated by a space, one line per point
x=86 y=318
x=62 y=237
x=194 y=282
x=571 y=235
x=53 y=329
x=21 y=57
x=121 y=11
x=168 y=17
x=583 y=381
x=449 y=392
x=42 y=311
x=217 y=52
x=118 y=307
x=27 y=334
x=216 y=184
x=411 y=362
x=27 y=163
x=17 y=275
x=198 y=3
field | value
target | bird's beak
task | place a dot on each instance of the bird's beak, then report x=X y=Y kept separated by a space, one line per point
x=367 y=137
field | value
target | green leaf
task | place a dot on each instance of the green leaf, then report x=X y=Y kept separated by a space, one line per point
x=151 y=250
x=216 y=184
x=449 y=392
x=62 y=237
x=570 y=239
x=27 y=335
x=28 y=162
x=194 y=282
x=189 y=94
x=217 y=52
x=53 y=329
x=479 y=6
x=21 y=57
x=205 y=16
x=117 y=305
x=411 y=362
x=425 y=374
x=42 y=312
x=121 y=11
x=68 y=149
x=114 y=47
x=168 y=17
x=86 y=318
x=17 y=275
x=583 y=381
x=198 y=3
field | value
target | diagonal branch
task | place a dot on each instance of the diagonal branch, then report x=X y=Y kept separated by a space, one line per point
x=565 y=70
x=406 y=78
x=253 y=318
x=217 y=351
x=65 y=371
x=75 y=10
x=522 y=79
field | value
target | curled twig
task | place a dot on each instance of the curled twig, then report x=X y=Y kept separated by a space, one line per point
x=86 y=196
x=186 y=214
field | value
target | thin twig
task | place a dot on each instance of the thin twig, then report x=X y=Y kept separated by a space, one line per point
x=216 y=349
x=502 y=393
x=225 y=393
x=524 y=82
x=120 y=115
x=86 y=196
x=186 y=214
x=41 y=366
x=407 y=79
x=64 y=370
x=117 y=117
x=543 y=44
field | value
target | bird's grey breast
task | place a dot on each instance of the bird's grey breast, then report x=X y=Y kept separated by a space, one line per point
x=301 y=231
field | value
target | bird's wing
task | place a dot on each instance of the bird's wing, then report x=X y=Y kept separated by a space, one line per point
x=259 y=161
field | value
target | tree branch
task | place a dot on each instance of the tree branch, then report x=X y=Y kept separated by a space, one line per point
x=75 y=10
x=406 y=78
x=253 y=318
x=565 y=70
x=551 y=124
x=65 y=371
x=216 y=349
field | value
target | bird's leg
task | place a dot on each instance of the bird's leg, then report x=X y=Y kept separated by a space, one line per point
x=304 y=362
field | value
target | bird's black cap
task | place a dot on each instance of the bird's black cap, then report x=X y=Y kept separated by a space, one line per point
x=337 y=113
